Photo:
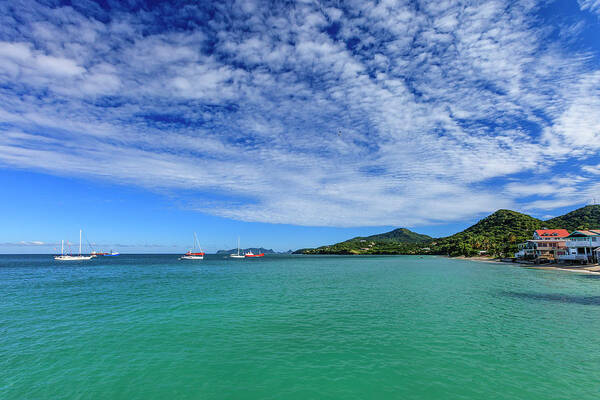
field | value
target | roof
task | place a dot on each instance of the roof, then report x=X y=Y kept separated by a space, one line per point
x=552 y=232
x=546 y=240
x=591 y=232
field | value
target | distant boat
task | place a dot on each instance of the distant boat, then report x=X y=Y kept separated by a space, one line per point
x=100 y=253
x=192 y=254
x=238 y=255
x=68 y=257
x=250 y=254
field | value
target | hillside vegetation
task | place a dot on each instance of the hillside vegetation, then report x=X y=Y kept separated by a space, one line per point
x=399 y=235
x=587 y=217
x=398 y=241
x=497 y=235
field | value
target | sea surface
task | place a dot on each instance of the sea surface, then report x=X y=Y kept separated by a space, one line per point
x=295 y=327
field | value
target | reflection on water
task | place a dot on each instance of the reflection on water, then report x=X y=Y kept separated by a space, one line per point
x=556 y=297
x=590 y=276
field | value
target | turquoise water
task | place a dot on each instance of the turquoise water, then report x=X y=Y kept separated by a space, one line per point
x=295 y=327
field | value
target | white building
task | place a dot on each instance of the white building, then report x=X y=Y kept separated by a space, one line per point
x=581 y=246
x=546 y=245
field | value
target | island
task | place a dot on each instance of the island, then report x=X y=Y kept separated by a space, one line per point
x=497 y=235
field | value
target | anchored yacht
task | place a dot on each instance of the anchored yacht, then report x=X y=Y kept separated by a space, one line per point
x=238 y=255
x=193 y=254
x=70 y=257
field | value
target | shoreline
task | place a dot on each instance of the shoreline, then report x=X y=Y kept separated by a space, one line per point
x=482 y=259
x=593 y=269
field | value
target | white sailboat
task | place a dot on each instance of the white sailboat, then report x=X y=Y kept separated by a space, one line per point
x=68 y=257
x=194 y=255
x=238 y=255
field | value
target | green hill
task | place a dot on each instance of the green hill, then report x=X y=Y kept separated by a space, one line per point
x=587 y=217
x=497 y=234
x=398 y=241
x=400 y=235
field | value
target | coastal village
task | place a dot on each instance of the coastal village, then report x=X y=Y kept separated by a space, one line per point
x=505 y=235
x=560 y=246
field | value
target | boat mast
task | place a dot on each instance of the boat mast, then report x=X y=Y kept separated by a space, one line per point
x=62 y=247
x=238 y=253
x=80 y=242
x=197 y=243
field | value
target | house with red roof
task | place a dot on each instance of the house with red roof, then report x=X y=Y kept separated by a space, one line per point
x=550 y=243
x=550 y=234
x=546 y=245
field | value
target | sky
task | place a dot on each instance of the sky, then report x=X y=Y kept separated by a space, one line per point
x=290 y=124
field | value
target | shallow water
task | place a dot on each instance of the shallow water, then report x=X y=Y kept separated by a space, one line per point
x=295 y=327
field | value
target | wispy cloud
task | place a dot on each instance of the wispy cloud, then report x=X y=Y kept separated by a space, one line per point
x=367 y=113
x=590 y=5
x=33 y=243
x=592 y=169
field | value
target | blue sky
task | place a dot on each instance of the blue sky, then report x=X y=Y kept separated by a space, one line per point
x=291 y=124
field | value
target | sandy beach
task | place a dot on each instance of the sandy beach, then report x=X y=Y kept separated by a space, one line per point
x=483 y=259
x=582 y=269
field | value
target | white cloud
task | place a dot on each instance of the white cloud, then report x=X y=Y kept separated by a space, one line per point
x=36 y=63
x=58 y=65
x=430 y=105
x=530 y=189
x=590 y=5
x=577 y=127
x=592 y=169
x=23 y=243
x=567 y=193
x=15 y=51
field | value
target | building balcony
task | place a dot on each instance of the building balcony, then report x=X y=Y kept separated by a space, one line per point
x=541 y=247
x=581 y=243
x=574 y=257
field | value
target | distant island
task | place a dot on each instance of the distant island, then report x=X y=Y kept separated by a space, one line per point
x=255 y=250
x=496 y=235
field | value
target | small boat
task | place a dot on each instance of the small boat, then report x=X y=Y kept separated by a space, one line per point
x=238 y=255
x=66 y=257
x=112 y=254
x=250 y=254
x=192 y=254
x=70 y=257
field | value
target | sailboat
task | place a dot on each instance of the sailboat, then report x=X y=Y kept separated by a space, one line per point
x=193 y=255
x=68 y=257
x=238 y=255
x=250 y=254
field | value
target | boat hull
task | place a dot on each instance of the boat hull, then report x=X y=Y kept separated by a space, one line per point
x=73 y=258
x=254 y=255
x=191 y=258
